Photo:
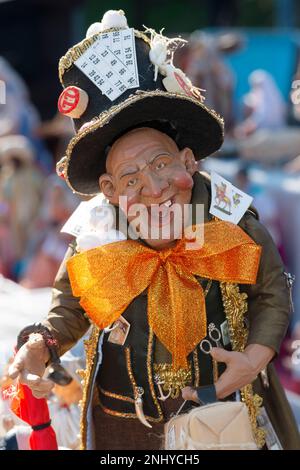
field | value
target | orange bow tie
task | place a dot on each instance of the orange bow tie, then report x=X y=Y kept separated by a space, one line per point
x=109 y=277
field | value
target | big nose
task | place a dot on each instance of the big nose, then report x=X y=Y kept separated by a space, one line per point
x=154 y=185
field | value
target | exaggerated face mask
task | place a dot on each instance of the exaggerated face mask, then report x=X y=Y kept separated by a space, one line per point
x=151 y=180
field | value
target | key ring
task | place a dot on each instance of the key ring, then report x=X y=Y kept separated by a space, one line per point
x=205 y=351
x=211 y=329
x=214 y=335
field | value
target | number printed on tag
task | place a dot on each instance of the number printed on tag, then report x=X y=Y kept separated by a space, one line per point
x=111 y=64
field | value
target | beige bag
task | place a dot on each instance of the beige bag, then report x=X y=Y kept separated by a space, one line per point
x=218 y=426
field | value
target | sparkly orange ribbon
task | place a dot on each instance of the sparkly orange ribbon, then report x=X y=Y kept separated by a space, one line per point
x=109 y=277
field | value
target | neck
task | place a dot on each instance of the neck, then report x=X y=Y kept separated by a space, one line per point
x=160 y=244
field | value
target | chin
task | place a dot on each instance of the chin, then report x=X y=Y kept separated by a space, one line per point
x=161 y=244
x=165 y=239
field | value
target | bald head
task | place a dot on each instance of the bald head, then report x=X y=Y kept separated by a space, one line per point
x=135 y=142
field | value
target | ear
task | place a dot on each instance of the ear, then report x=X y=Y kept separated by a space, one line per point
x=107 y=187
x=187 y=157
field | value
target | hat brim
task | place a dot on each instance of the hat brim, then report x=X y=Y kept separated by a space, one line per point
x=198 y=128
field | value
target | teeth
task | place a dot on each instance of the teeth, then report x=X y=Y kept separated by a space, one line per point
x=168 y=203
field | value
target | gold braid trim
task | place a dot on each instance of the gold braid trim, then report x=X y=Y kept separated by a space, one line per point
x=173 y=381
x=90 y=346
x=119 y=414
x=150 y=375
x=116 y=396
x=196 y=368
x=235 y=306
x=76 y=51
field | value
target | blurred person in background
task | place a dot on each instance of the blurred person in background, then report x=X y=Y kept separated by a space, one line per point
x=49 y=245
x=56 y=133
x=206 y=68
x=264 y=204
x=264 y=106
x=31 y=247
x=19 y=116
x=6 y=248
x=264 y=134
x=293 y=167
x=47 y=248
x=17 y=108
x=21 y=188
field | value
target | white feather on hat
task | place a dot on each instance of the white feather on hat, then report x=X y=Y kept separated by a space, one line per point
x=111 y=19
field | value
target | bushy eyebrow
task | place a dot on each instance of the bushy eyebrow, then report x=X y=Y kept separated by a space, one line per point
x=159 y=155
x=129 y=173
x=133 y=172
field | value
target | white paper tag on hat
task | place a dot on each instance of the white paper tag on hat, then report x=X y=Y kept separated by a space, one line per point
x=122 y=44
x=111 y=64
x=227 y=202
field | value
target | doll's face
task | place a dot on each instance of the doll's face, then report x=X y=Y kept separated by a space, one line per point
x=146 y=168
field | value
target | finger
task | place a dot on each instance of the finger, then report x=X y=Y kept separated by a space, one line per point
x=36 y=382
x=30 y=379
x=14 y=370
x=39 y=394
x=40 y=386
x=226 y=384
x=224 y=379
x=18 y=363
x=44 y=386
x=189 y=393
x=221 y=355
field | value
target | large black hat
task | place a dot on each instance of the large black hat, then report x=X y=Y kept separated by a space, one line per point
x=117 y=79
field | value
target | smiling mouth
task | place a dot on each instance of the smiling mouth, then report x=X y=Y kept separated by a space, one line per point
x=162 y=205
x=161 y=214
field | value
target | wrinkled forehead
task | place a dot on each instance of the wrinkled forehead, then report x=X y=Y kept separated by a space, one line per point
x=138 y=145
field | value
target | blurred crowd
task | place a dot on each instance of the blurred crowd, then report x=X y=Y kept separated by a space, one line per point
x=35 y=203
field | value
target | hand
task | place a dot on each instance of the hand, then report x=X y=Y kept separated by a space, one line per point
x=189 y=393
x=29 y=366
x=242 y=369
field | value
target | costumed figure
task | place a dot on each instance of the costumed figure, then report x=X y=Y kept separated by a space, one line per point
x=177 y=320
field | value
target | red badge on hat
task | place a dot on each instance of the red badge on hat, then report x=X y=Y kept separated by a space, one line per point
x=73 y=102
